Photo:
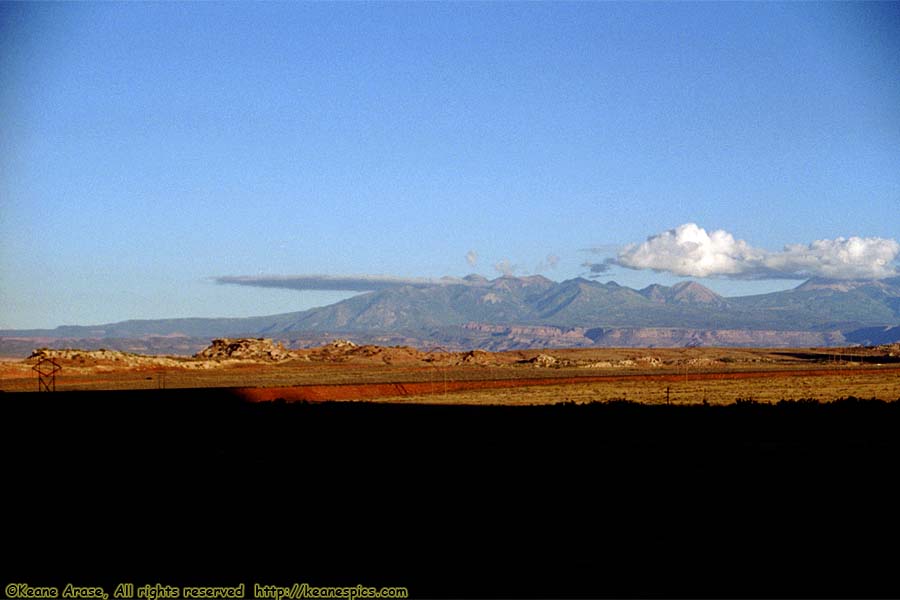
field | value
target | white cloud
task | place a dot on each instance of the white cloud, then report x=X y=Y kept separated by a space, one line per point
x=841 y=258
x=689 y=250
x=472 y=258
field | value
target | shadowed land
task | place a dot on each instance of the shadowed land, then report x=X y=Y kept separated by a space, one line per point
x=599 y=500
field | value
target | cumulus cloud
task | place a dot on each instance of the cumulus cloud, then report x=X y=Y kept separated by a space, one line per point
x=689 y=250
x=472 y=258
x=841 y=258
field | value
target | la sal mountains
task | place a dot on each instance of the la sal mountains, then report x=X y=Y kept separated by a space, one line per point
x=519 y=312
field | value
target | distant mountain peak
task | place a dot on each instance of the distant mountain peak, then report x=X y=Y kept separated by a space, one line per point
x=689 y=285
x=821 y=283
x=691 y=291
x=684 y=292
x=655 y=292
x=511 y=281
x=821 y=306
x=536 y=279
x=847 y=285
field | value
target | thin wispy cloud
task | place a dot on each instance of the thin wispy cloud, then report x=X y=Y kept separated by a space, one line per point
x=689 y=250
x=361 y=283
x=598 y=269
x=548 y=264
x=603 y=248
x=506 y=268
x=472 y=258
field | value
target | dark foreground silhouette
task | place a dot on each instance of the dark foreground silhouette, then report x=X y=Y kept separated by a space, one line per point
x=196 y=487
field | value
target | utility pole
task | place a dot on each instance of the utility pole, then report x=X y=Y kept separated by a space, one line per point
x=46 y=369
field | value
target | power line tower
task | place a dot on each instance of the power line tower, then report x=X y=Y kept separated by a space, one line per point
x=46 y=369
x=443 y=368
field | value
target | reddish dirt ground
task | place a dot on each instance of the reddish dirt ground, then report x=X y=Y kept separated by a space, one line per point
x=322 y=393
x=345 y=372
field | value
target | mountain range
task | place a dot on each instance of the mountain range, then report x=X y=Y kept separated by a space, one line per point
x=516 y=312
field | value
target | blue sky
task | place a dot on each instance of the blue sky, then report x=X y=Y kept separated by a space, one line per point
x=148 y=148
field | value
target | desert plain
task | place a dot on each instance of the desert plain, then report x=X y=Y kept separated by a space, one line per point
x=261 y=370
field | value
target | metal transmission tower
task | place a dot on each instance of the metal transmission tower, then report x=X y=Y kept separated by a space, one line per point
x=46 y=369
x=443 y=368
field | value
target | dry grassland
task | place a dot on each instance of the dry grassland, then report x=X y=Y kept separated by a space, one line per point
x=343 y=371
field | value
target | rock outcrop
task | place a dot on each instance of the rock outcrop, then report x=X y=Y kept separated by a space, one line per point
x=244 y=348
x=75 y=357
x=544 y=360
